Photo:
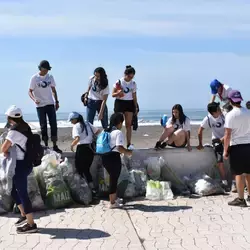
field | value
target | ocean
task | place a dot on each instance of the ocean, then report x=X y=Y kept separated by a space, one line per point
x=146 y=118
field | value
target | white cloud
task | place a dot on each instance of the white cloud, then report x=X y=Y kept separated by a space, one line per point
x=225 y=18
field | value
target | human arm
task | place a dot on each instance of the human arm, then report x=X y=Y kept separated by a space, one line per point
x=119 y=144
x=135 y=103
x=74 y=143
x=227 y=138
x=54 y=92
x=31 y=89
x=200 y=134
x=104 y=101
x=213 y=97
x=5 y=147
x=188 y=129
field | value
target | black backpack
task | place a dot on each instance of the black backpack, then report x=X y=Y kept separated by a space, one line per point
x=34 y=150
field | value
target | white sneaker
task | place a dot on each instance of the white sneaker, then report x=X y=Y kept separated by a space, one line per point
x=131 y=147
x=117 y=204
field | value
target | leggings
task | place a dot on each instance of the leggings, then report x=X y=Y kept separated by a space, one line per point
x=20 y=186
x=83 y=161
x=112 y=163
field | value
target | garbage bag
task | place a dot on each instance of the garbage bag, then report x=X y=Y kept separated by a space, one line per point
x=34 y=193
x=154 y=165
x=131 y=189
x=79 y=189
x=123 y=180
x=58 y=194
x=2 y=209
x=157 y=190
x=140 y=182
x=6 y=203
x=204 y=185
x=103 y=181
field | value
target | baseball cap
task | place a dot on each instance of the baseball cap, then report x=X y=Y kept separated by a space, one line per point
x=73 y=115
x=14 y=112
x=44 y=64
x=214 y=85
x=235 y=96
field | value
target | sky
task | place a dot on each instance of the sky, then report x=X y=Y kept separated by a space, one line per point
x=176 y=46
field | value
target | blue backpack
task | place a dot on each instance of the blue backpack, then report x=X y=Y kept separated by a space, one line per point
x=103 y=143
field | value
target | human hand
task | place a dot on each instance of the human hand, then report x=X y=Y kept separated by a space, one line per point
x=57 y=106
x=5 y=154
x=129 y=153
x=100 y=116
x=72 y=148
x=200 y=147
x=225 y=155
x=36 y=101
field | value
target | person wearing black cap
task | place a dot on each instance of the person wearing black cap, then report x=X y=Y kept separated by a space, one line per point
x=237 y=146
x=43 y=92
x=215 y=121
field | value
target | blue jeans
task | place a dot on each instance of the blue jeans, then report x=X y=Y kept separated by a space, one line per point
x=20 y=186
x=93 y=107
x=42 y=113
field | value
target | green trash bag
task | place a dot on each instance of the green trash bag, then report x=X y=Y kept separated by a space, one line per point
x=58 y=195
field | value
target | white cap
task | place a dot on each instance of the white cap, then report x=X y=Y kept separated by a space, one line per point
x=14 y=112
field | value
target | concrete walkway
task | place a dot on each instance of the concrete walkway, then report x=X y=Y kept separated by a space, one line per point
x=205 y=223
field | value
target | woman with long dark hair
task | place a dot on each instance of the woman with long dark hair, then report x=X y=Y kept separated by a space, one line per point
x=97 y=95
x=83 y=134
x=177 y=130
x=112 y=161
x=124 y=91
x=16 y=137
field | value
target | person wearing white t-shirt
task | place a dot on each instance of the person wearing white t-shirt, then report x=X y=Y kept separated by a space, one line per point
x=112 y=161
x=96 y=97
x=83 y=134
x=215 y=121
x=16 y=138
x=124 y=91
x=237 y=146
x=176 y=131
x=42 y=91
x=221 y=90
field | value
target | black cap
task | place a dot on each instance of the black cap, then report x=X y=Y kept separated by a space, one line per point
x=44 y=64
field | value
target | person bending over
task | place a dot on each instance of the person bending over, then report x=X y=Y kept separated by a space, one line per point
x=177 y=130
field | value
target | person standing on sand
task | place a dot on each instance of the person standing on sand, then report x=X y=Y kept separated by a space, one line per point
x=237 y=146
x=96 y=97
x=112 y=161
x=42 y=91
x=215 y=120
x=176 y=131
x=221 y=90
x=124 y=91
x=15 y=137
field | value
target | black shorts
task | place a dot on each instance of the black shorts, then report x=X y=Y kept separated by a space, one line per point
x=174 y=146
x=123 y=106
x=239 y=158
x=218 y=149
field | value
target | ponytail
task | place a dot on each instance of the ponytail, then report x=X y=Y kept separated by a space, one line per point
x=83 y=124
x=115 y=120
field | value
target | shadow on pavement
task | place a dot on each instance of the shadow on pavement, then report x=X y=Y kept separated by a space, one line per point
x=71 y=233
x=151 y=208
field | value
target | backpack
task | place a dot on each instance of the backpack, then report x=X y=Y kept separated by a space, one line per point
x=103 y=143
x=34 y=150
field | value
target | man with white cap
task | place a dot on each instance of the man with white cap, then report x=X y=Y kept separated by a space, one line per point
x=237 y=145
x=42 y=91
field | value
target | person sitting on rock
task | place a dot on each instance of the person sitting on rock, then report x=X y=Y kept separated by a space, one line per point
x=215 y=120
x=177 y=130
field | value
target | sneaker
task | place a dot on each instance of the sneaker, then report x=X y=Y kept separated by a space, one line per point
x=119 y=200
x=56 y=149
x=163 y=145
x=117 y=204
x=22 y=220
x=27 y=229
x=234 y=188
x=238 y=202
x=131 y=147
x=224 y=185
x=248 y=198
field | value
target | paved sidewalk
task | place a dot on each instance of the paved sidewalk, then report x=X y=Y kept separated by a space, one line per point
x=205 y=223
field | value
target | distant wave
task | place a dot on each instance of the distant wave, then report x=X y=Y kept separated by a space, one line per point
x=66 y=124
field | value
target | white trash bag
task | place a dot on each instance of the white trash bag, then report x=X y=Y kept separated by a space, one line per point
x=153 y=166
x=157 y=190
x=204 y=185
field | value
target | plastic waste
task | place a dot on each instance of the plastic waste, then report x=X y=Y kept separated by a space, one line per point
x=123 y=180
x=157 y=190
x=154 y=165
x=204 y=185
x=103 y=181
x=79 y=189
x=6 y=203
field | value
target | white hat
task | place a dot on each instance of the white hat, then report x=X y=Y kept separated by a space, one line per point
x=14 y=112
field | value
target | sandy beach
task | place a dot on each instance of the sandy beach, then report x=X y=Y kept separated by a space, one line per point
x=144 y=137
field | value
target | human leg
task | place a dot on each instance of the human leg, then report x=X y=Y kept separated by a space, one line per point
x=91 y=111
x=128 y=124
x=178 y=138
x=41 y=113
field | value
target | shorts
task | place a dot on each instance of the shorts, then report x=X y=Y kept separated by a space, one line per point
x=174 y=146
x=239 y=159
x=122 y=106
x=218 y=149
